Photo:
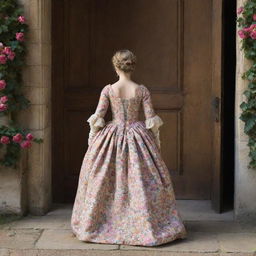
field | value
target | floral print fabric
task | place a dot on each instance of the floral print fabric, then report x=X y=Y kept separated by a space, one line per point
x=125 y=192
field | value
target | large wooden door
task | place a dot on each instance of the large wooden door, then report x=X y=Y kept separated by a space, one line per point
x=174 y=42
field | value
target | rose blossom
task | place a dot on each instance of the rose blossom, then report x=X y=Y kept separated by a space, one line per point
x=5 y=140
x=4 y=99
x=25 y=144
x=11 y=55
x=253 y=26
x=20 y=36
x=29 y=136
x=17 y=137
x=253 y=34
x=7 y=50
x=1 y=46
x=3 y=107
x=242 y=34
x=2 y=84
x=248 y=29
x=240 y=10
x=3 y=59
x=21 y=19
x=251 y=30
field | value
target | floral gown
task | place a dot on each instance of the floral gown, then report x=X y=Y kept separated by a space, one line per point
x=125 y=192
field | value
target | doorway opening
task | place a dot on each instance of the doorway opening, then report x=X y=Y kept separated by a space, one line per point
x=228 y=129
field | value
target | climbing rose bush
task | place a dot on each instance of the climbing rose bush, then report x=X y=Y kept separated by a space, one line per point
x=13 y=28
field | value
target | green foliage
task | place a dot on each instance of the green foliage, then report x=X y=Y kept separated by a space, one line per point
x=12 y=22
x=246 y=20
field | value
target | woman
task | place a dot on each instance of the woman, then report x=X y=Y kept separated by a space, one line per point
x=125 y=192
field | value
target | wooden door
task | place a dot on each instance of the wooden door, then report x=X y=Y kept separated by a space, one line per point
x=173 y=41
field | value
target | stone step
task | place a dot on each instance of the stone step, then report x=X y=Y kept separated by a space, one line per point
x=38 y=252
x=15 y=242
x=208 y=234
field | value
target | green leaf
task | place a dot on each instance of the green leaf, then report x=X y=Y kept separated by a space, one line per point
x=250 y=123
x=247 y=93
x=243 y=106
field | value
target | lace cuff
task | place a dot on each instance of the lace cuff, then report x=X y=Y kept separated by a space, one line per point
x=96 y=123
x=154 y=123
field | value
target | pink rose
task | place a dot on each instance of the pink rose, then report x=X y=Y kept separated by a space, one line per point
x=1 y=46
x=25 y=144
x=17 y=138
x=240 y=10
x=247 y=29
x=21 y=19
x=4 y=99
x=29 y=136
x=252 y=26
x=2 y=84
x=3 y=59
x=3 y=107
x=253 y=34
x=11 y=55
x=242 y=34
x=7 y=50
x=20 y=36
x=5 y=140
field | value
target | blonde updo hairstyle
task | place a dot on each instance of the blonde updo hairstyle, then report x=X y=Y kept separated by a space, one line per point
x=124 y=60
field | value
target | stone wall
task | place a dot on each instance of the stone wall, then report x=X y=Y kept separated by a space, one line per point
x=245 y=179
x=13 y=189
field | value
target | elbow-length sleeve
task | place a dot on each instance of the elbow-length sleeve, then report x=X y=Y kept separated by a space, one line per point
x=152 y=120
x=96 y=120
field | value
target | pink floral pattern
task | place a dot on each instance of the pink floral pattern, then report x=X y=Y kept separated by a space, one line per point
x=125 y=192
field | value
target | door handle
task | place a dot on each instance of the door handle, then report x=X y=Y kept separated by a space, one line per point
x=216 y=108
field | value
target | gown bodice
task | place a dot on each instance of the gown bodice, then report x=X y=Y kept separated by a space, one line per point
x=125 y=110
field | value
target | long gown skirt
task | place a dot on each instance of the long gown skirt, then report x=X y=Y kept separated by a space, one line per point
x=125 y=193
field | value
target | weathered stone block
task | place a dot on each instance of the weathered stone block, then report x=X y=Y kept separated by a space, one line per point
x=63 y=239
x=20 y=239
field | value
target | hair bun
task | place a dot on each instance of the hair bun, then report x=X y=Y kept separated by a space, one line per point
x=124 y=60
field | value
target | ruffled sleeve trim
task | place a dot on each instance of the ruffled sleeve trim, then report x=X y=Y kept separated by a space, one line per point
x=154 y=123
x=95 y=121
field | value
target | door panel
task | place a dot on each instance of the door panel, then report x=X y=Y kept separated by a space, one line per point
x=174 y=50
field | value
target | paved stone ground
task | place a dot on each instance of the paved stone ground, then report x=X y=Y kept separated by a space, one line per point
x=208 y=234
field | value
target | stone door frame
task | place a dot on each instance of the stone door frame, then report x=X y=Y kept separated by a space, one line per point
x=37 y=88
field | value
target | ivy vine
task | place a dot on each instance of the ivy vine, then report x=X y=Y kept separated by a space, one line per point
x=13 y=28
